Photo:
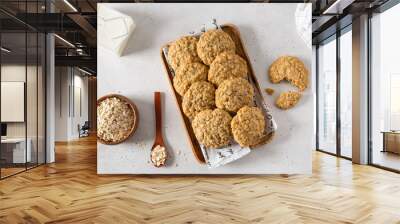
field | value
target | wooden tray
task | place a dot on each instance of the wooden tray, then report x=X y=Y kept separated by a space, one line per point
x=234 y=33
x=135 y=113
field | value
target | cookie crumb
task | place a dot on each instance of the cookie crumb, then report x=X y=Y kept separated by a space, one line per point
x=287 y=100
x=269 y=91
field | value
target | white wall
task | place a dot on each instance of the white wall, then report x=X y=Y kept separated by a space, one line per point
x=69 y=82
x=33 y=127
x=17 y=73
x=61 y=103
x=12 y=101
x=79 y=118
x=12 y=73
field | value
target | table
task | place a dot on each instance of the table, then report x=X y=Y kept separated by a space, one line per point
x=391 y=141
x=268 y=31
x=17 y=150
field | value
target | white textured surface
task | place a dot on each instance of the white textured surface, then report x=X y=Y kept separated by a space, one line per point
x=115 y=29
x=268 y=31
x=13 y=100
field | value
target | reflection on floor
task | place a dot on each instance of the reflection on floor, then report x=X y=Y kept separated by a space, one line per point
x=10 y=171
x=387 y=159
x=14 y=169
x=70 y=191
x=346 y=152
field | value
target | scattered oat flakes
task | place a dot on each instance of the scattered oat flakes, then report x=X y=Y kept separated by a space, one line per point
x=158 y=155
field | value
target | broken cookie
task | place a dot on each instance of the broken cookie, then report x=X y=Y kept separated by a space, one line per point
x=287 y=100
x=291 y=69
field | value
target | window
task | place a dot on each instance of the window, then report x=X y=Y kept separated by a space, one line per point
x=385 y=89
x=346 y=93
x=334 y=106
x=327 y=97
x=394 y=101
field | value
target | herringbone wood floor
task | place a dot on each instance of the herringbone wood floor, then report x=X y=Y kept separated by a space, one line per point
x=69 y=191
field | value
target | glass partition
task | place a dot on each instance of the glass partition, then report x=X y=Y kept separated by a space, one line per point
x=23 y=89
x=14 y=155
x=327 y=96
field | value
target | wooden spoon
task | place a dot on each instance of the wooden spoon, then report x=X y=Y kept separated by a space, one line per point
x=158 y=154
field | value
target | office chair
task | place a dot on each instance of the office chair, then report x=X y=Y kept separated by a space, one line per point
x=84 y=130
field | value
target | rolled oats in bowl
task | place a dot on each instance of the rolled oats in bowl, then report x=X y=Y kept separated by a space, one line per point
x=116 y=119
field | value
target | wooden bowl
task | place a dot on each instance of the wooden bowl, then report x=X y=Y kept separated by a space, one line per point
x=135 y=119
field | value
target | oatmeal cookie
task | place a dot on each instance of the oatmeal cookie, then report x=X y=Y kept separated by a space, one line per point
x=291 y=69
x=225 y=66
x=200 y=96
x=248 y=126
x=287 y=100
x=233 y=94
x=182 y=51
x=212 y=128
x=188 y=74
x=212 y=43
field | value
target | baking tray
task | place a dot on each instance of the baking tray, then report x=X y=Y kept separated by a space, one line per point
x=234 y=33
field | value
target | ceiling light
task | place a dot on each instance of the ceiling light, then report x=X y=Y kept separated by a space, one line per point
x=337 y=7
x=5 y=49
x=64 y=40
x=70 y=5
x=84 y=71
